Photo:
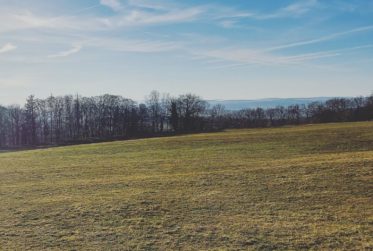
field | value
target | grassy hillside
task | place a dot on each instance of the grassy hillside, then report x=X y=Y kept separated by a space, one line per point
x=285 y=188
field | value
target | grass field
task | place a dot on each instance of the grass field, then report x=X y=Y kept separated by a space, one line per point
x=306 y=187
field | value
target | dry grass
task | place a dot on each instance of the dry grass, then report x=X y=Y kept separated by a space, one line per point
x=306 y=187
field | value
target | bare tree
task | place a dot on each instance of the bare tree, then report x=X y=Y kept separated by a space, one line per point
x=154 y=107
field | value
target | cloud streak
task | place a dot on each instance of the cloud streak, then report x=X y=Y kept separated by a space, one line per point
x=26 y=20
x=142 y=18
x=321 y=39
x=241 y=56
x=151 y=5
x=294 y=10
x=115 y=5
x=128 y=45
x=291 y=11
x=67 y=53
x=125 y=17
x=7 y=48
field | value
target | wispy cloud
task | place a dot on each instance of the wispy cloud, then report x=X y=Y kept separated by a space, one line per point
x=140 y=18
x=136 y=14
x=321 y=39
x=112 y=4
x=228 y=23
x=241 y=56
x=24 y=19
x=128 y=45
x=294 y=10
x=69 y=52
x=125 y=17
x=7 y=47
x=300 y=7
x=139 y=13
x=152 y=5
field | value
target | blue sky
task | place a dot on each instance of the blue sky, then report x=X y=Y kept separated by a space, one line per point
x=218 y=49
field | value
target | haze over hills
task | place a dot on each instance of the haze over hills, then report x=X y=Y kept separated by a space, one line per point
x=265 y=103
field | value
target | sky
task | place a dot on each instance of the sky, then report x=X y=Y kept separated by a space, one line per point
x=217 y=49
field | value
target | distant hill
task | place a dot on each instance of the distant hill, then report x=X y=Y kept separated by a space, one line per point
x=265 y=103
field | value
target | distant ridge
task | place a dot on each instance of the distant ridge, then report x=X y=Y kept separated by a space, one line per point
x=265 y=103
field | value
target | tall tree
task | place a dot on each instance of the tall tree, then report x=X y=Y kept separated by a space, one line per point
x=30 y=111
x=154 y=106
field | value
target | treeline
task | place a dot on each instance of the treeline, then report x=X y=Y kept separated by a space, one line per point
x=76 y=119
x=333 y=110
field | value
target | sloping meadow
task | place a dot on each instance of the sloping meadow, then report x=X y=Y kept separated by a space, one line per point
x=279 y=188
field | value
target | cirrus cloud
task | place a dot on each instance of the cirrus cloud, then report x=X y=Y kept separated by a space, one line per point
x=7 y=47
x=69 y=52
x=115 y=5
